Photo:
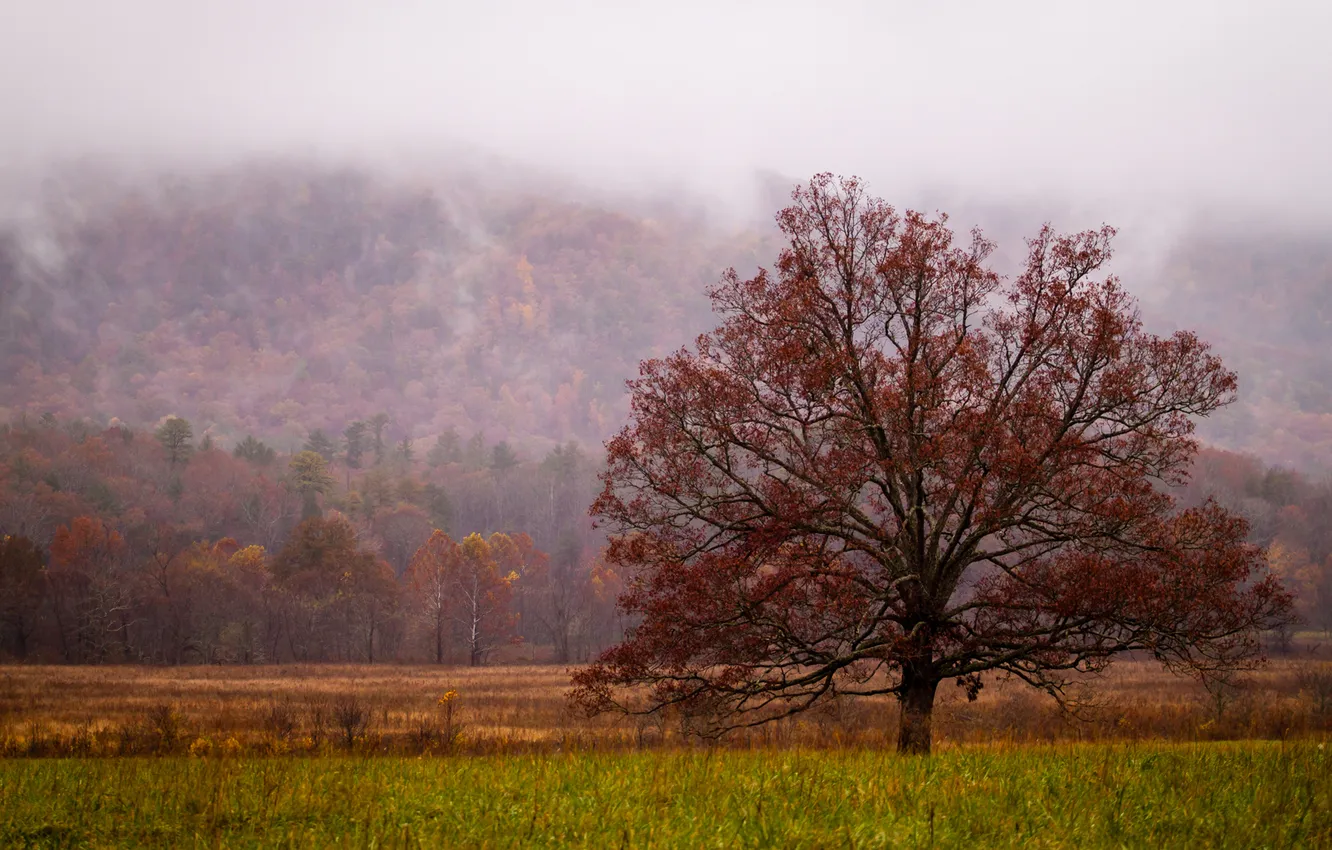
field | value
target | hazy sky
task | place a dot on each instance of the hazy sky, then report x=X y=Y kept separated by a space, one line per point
x=1164 y=103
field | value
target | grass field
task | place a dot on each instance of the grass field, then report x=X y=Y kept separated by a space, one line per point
x=373 y=756
x=1255 y=794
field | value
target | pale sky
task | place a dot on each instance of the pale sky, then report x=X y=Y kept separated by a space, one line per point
x=1124 y=104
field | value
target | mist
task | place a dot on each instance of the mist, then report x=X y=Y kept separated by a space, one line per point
x=1217 y=109
x=319 y=319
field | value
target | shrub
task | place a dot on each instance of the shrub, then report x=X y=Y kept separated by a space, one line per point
x=351 y=719
x=280 y=720
x=166 y=725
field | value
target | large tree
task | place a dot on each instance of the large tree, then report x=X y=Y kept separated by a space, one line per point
x=889 y=467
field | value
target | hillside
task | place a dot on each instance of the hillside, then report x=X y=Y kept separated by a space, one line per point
x=275 y=300
x=1265 y=303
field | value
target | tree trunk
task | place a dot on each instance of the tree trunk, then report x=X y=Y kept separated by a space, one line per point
x=917 y=708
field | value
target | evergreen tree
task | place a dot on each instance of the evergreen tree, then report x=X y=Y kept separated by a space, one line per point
x=445 y=449
x=502 y=457
x=254 y=451
x=439 y=507
x=319 y=443
x=176 y=437
x=354 y=440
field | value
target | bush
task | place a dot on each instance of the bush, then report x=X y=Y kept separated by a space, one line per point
x=166 y=725
x=351 y=719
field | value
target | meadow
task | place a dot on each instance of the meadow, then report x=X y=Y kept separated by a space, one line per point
x=1255 y=794
x=392 y=709
x=405 y=756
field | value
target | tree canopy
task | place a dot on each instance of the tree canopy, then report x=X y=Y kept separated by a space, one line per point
x=889 y=466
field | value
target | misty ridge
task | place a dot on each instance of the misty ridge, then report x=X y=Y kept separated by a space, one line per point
x=280 y=296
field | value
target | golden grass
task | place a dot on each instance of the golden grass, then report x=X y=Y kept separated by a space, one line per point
x=291 y=708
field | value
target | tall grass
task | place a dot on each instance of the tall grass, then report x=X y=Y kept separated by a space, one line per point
x=109 y=711
x=1268 y=794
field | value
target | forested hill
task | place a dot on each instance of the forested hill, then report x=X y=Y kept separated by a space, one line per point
x=1265 y=303
x=273 y=300
x=276 y=300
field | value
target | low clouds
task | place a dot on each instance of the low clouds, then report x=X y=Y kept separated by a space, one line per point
x=1199 y=105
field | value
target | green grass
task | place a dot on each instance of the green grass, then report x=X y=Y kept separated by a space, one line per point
x=1178 y=795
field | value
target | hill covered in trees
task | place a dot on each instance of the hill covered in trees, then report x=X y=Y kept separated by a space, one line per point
x=192 y=367
x=275 y=300
x=1265 y=303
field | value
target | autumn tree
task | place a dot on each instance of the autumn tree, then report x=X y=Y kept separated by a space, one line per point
x=556 y=594
x=90 y=599
x=339 y=594
x=266 y=510
x=484 y=594
x=459 y=588
x=429 y=581
x=889 y=467
x=376 y=492
x=402 y=529
x=308 y=474
x=256 y=616
x=175 y=435
x=167 y=593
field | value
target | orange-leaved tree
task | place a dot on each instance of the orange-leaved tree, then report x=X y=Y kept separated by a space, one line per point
x=459 y=588
x=430 y=596
x=90 y=594
x=485 y=594
x=889 y=467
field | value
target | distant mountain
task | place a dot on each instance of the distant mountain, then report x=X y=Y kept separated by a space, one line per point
x=1265 y=303
x=275 y=299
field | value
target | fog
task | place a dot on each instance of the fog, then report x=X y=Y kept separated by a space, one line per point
x=1142 y=108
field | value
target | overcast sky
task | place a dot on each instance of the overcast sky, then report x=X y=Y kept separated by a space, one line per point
x=1152 y=104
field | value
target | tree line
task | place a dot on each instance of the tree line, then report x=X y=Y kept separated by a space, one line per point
x=321 y=597
x=159 y=546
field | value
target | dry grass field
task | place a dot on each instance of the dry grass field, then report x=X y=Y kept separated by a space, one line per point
x=124 y=710
x=331 y=756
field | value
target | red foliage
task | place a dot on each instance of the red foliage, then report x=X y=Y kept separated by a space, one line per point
x=87 y=544
x=889 y=467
